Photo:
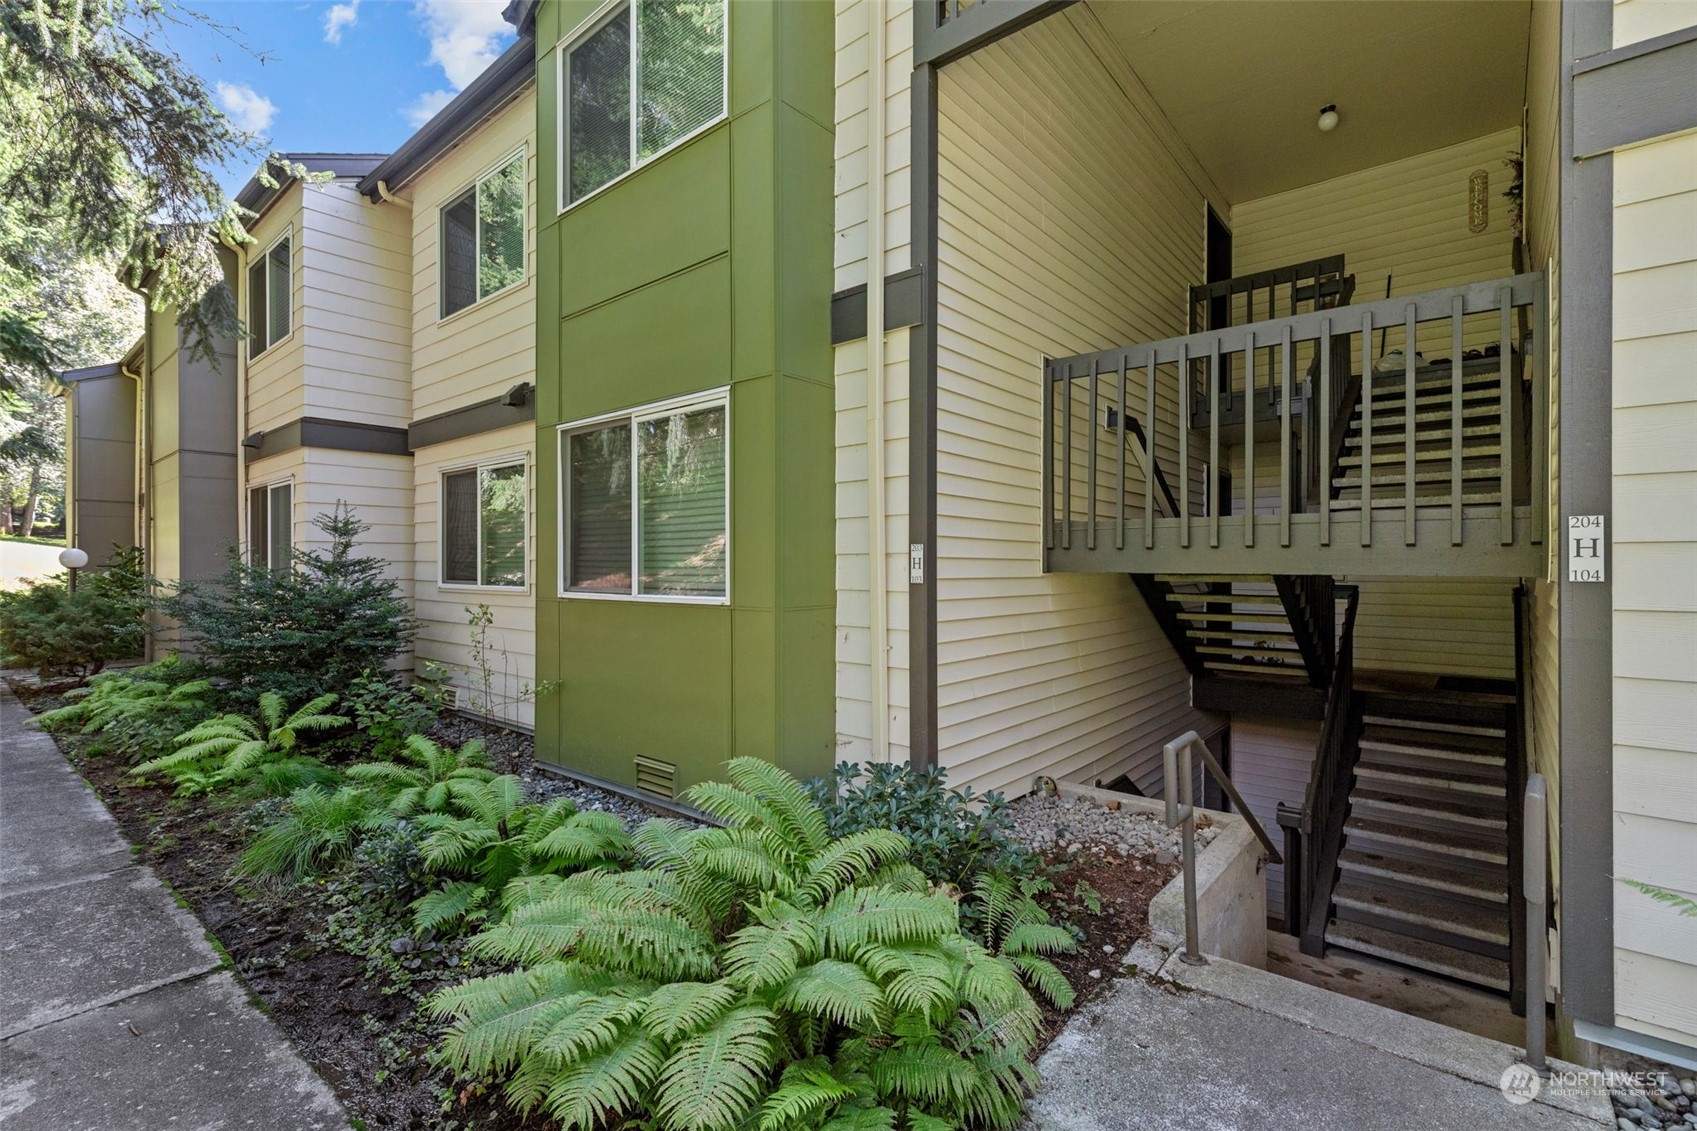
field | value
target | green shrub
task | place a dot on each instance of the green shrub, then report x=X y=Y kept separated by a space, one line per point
x=767 y=974
x=390 y=864
x=59 y=633
x=956 y=836
x=260 y=750
x=386 y=714
x=309 y=630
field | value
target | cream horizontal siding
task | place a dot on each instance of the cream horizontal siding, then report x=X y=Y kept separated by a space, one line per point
x=276 y=384
x=1638 y=20
x=444 y=635
x=487 y=348
x=377 y=487
x=356 y=263
x=1653 y=545
x=854 y=572
x=288 y=467
x=1070 y=219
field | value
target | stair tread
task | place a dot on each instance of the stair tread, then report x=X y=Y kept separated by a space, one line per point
x=1192 y=578
x=1296 y=671
x=1273 y=618
x=1436 y=476
x=1224 y=598
x=1440 y=726
x=1423 y=456
x=1392 y=776
x=1462 y=810
x=1259 y=632
x=1433 y=957
x=1406 y=737
x=1424 y=436
x=1479 y=923
x=1474 y=845
x=1419 y=501
x=1426 y=874
x=1246 y=650
x=1386 y=417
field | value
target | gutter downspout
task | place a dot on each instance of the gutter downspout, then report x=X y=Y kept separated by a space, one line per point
x=877 y=554
x=383 y=191
x=238 y=289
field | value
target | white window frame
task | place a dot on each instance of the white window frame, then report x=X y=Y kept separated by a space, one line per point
x=606 y=14
x=491 y=463
x=272 y=343
x=522 y=154
x=269 y=486
x=712 y=398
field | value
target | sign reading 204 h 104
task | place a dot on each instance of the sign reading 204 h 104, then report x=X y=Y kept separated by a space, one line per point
x=1585 y=544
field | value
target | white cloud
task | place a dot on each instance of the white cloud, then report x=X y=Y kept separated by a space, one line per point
x=427 y=105
x=465 y=35
x=338 y=17
x=250 y=110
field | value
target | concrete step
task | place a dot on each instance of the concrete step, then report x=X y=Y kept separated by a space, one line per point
x=1430 y=781
x=1385 y=835
x=1426 y=813
x=1452 y=922
x=1435 y=876
x=1434 y=958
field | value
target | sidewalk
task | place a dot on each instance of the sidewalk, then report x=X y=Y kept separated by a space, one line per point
x=1225 y=1046
x=116 y=1013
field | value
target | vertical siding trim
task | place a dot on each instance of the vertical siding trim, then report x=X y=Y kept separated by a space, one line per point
x=922 y=422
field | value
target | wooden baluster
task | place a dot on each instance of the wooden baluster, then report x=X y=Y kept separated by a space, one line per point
x=1456 y=308
x=1048 y=461
x=1409 y=341
x=1327 y=408
x=1066 y=481
x=1184 y=447
x=1095 y=431
x=1119 y=509
x=1213 y=485
x=1540 y=411
x=1505 y=338
x=1366 y=427
x=1249 y=439
x=1284 y=439
x=1151 y=428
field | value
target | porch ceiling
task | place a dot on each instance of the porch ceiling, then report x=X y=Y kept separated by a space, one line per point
x=1243 y=80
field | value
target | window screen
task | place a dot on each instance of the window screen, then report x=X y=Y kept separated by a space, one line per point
x=281 y=534
x=459 y=528
x=277 y=293
x=459 y=253
x=501 y=509
x=681 y=499
x=500 y=224
x=599 y=551
x=258 y=527
x=661 y=60
x=256 y=341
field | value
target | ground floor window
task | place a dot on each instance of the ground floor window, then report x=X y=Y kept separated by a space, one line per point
x=483 y=526
x=270 y=525
x=645 y=503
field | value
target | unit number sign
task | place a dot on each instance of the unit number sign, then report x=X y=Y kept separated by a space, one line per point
x=1585 y=543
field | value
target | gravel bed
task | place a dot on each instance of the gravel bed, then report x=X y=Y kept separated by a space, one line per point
x=515 y=753
x=1668 y=1103
x=1075 y=824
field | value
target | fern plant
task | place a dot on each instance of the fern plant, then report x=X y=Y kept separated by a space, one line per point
x=114 y=696
x=488 y=837
x=318 y=829
x=1011 y=923
x=761 y=975
x=233 y=749
x=425 y=779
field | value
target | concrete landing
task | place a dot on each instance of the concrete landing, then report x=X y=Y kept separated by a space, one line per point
x=115 y=1012
x=1229 y=1047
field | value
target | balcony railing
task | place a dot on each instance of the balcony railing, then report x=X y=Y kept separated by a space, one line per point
x=1306 y=444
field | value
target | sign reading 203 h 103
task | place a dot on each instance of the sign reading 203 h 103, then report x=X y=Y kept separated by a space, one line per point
x=1585 y=545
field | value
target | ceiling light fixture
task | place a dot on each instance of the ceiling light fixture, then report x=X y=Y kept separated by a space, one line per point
x=1328 y=118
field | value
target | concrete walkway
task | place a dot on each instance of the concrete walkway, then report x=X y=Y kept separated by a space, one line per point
x=1225 y=1046
x=116 y=1013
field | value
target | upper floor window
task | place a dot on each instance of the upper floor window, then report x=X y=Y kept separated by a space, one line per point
x=268 y=295
x=483 y=237
x=484 y=513
x=640 y=79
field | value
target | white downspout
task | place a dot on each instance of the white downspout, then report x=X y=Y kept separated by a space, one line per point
x=876 y=552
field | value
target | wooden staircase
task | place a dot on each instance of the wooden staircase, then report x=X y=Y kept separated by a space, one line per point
x=1443 y=423
x=1423 y=875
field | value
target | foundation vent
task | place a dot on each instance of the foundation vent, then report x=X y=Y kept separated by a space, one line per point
x=656 y=776
x=450 y=697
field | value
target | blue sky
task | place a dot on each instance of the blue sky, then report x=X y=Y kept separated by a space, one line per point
x=354 y=76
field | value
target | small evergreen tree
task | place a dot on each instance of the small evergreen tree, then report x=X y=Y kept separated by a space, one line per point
x=305 y=631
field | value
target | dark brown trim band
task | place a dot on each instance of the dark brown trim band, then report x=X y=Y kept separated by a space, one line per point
x=902 y=307
x=516 y=406
x=336 y=435
x=1634 y=93
x=922 y=428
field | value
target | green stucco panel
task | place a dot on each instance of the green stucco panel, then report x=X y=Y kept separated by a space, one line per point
x=709 y=267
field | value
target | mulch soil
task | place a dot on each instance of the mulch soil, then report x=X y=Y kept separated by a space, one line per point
x=364 y=1035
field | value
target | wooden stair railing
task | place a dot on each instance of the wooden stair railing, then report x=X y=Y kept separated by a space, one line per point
x=1311 y=607
x=1514 y=725
x=1326 y=806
